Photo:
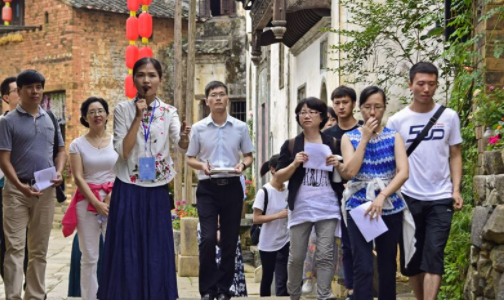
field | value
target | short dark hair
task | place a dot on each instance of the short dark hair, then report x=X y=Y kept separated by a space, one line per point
x=344 y=91
x=145 y=61
x=331 y=111
x=371 y=90
x=85 y=107
x=315 y=104
x=213 y=85
x=28 y=77
x=423 y=67
x=271 y=163
x=4 y=87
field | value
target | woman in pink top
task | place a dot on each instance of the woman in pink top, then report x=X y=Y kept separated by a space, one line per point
x=92 y=159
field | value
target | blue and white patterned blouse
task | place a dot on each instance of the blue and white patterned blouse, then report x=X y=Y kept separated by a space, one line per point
x=379 y=162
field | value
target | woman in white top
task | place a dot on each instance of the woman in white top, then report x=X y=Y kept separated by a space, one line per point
x=274 y=238
x=139 y=258
x=92 y=159
x=312 y=199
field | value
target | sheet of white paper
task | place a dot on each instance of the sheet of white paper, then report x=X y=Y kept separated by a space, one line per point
x=336 y=177
x=317 y=154
x=43 y=178
x=2 y=175
x=370 y=229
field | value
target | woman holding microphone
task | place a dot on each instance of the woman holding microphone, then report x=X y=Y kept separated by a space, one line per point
x=139 y=259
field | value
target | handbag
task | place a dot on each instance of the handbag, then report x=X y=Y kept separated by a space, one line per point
x=426 y=129
x=60 y=189
x=255 y=230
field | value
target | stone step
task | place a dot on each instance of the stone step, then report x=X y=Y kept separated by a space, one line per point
x=403 y=297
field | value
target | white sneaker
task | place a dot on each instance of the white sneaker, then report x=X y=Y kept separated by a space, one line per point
x=307 y=286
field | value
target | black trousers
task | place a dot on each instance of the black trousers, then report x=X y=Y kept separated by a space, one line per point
x=347 y=257
x=274 y=263
x=218 y=202
x=386 y=249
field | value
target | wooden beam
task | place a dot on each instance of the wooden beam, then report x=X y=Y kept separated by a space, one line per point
x=177 y=94
x=191 y=38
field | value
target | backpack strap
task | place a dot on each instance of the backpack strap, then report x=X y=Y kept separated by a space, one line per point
x=291 y=148
x=55 y=124
x=425 y=131
x=265 y=200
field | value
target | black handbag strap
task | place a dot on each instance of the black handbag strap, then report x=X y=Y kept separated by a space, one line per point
x=265 y=200
x=425 y=131
x=55 y=124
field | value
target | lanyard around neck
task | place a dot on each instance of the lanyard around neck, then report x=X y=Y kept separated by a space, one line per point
x=147 y=130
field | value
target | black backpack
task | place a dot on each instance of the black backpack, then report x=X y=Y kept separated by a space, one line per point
x=255 y=230
x=60 y=190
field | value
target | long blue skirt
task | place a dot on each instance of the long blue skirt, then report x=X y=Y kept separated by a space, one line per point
x=139 y=259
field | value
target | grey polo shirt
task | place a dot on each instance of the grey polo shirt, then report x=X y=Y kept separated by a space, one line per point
x=30 y=141
x=219 y=145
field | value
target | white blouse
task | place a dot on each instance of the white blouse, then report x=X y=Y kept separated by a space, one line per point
x=165 y=127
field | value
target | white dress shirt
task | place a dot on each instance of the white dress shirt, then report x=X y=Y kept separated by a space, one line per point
x=219 y=145
x=165 y=127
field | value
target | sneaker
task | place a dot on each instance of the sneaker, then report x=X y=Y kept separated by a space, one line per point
x=307 y=286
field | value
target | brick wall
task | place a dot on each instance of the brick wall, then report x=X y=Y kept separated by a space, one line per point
x=80 y=52
x=492 y=30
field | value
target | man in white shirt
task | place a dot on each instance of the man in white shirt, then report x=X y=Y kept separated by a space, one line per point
x=216 y=143
x=433 y=188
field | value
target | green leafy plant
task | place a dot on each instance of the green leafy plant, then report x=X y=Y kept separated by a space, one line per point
x=384 y=39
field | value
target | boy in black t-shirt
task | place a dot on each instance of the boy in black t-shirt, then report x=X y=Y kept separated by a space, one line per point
x=344 y=101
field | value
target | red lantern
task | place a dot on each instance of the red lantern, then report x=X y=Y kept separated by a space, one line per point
x=145 y=2
x=133 y=5
x=145 y=25
x=129 y=87
x=132 y=28
x=131 y=56
x=7 y=14
x=144 y=52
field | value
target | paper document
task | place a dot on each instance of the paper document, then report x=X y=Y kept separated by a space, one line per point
x=336 y=177
x=222 y=170
x=43 y=178
x=317 y=154
x=1 y=174
x=370 y=228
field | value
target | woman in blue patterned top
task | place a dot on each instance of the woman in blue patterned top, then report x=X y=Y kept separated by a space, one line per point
x=377 y=166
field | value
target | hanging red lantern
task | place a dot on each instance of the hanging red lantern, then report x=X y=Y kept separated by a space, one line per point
x=7 y=1
x=7 y=13
x=131 y=56
x=129 y=86
x=145 y=25
x=145 y=52
x=132 y=28
x=133 y=5
x=145 y=2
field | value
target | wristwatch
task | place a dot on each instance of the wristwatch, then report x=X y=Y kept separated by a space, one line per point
x=244 y=166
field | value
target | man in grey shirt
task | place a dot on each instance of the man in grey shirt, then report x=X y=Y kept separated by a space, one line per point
x=27 y=137
x=216 y=143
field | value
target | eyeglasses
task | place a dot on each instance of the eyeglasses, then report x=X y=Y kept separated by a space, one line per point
x=96 y=112
x=375 y=108
x=312 y=113
x=13 y=91
x=215 y=95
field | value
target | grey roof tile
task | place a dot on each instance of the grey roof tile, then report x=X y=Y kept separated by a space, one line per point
x=158 y=8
